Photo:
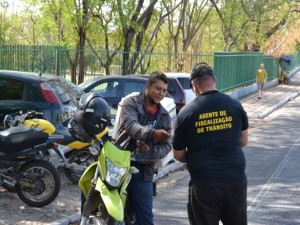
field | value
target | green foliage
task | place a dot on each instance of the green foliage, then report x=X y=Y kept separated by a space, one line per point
x=229 y=26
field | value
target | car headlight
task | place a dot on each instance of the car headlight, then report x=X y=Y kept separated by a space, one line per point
x=114 y=174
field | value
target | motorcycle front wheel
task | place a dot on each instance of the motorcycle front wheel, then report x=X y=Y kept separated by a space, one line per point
x=39 y=183
x=81 y=157
x=104 y=219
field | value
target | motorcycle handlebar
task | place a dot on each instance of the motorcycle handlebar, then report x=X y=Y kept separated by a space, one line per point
x=34 y=114
x=19 y=117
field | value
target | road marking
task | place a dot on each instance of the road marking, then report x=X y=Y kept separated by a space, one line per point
x=264 y=191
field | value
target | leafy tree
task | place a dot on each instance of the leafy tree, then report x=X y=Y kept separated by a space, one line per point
x=139 y=28
x=263 y=19
x=235 y=17
x=192 y=15
x=163 y=13
x=135 y=18
x=4 y=23
x=72 y=20
x=105 y=25
x=282 y=27
x=286 y=37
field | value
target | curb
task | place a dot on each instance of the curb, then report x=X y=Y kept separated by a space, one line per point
x=276 y=106
x=169 y=168
x=75 y=218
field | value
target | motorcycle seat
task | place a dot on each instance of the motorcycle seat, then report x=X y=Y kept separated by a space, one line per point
x=17 y=139
x=67 y=136
x=14 y=130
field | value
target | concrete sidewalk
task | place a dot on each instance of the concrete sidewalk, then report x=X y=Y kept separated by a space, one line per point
x=273 y=98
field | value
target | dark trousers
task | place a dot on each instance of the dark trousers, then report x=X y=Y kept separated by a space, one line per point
x=209 y=203
x=141 y=198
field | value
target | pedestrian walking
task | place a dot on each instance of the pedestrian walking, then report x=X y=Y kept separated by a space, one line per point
x=209 y=135
x=261 y=78
x=144 y=129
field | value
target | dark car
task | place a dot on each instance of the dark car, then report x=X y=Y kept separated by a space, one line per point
x=114 y=87
x=30 y=91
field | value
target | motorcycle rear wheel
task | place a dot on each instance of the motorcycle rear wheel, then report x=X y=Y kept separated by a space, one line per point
x=39 y=184
x=81 y=157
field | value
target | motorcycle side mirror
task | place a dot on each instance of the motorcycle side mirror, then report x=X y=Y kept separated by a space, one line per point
x=8 y=120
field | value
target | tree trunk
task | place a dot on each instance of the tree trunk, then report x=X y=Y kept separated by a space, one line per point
x=81 y=55
x=126 y=54
x=72 y=67
x=138 y=19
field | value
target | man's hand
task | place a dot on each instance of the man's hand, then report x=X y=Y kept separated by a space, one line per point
x=161 y=135
x=143 y=148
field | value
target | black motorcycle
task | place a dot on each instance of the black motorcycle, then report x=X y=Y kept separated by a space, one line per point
x=36 y=181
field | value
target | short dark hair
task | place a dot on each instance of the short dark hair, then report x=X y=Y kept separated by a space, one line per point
x=201 y=70
x=157 y=75
x=202 y=79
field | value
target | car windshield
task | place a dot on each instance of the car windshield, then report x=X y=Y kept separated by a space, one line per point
x=185 y=82
x=75 y=89
x=87 y=83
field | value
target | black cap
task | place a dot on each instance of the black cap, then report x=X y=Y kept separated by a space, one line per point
x=201 y=69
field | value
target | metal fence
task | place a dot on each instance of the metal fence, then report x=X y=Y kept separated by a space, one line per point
x=272 y=66
x=51 y=59
x=237 y=69
x=140 y=63
x=233 y=69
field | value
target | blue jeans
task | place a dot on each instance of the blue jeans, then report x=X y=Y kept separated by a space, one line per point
x=141 y=198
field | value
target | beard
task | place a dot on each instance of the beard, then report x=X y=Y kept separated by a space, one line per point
x=151 y=100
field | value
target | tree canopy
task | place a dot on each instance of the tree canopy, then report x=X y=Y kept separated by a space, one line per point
x=180 y=26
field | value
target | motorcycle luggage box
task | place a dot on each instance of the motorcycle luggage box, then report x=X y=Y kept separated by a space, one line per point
x=16 y=139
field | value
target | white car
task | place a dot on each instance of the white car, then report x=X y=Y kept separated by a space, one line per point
x=184 y=80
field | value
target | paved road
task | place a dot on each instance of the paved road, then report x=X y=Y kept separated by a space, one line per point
x=273 y=168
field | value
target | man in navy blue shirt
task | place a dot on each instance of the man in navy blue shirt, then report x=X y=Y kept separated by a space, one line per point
x=209 y=135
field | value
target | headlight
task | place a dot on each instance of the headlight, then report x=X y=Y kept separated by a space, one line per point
x=114 y=174
x=112 y=121
x=110 y=131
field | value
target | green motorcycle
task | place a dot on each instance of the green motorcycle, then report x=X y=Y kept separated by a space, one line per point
x=104 y=183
